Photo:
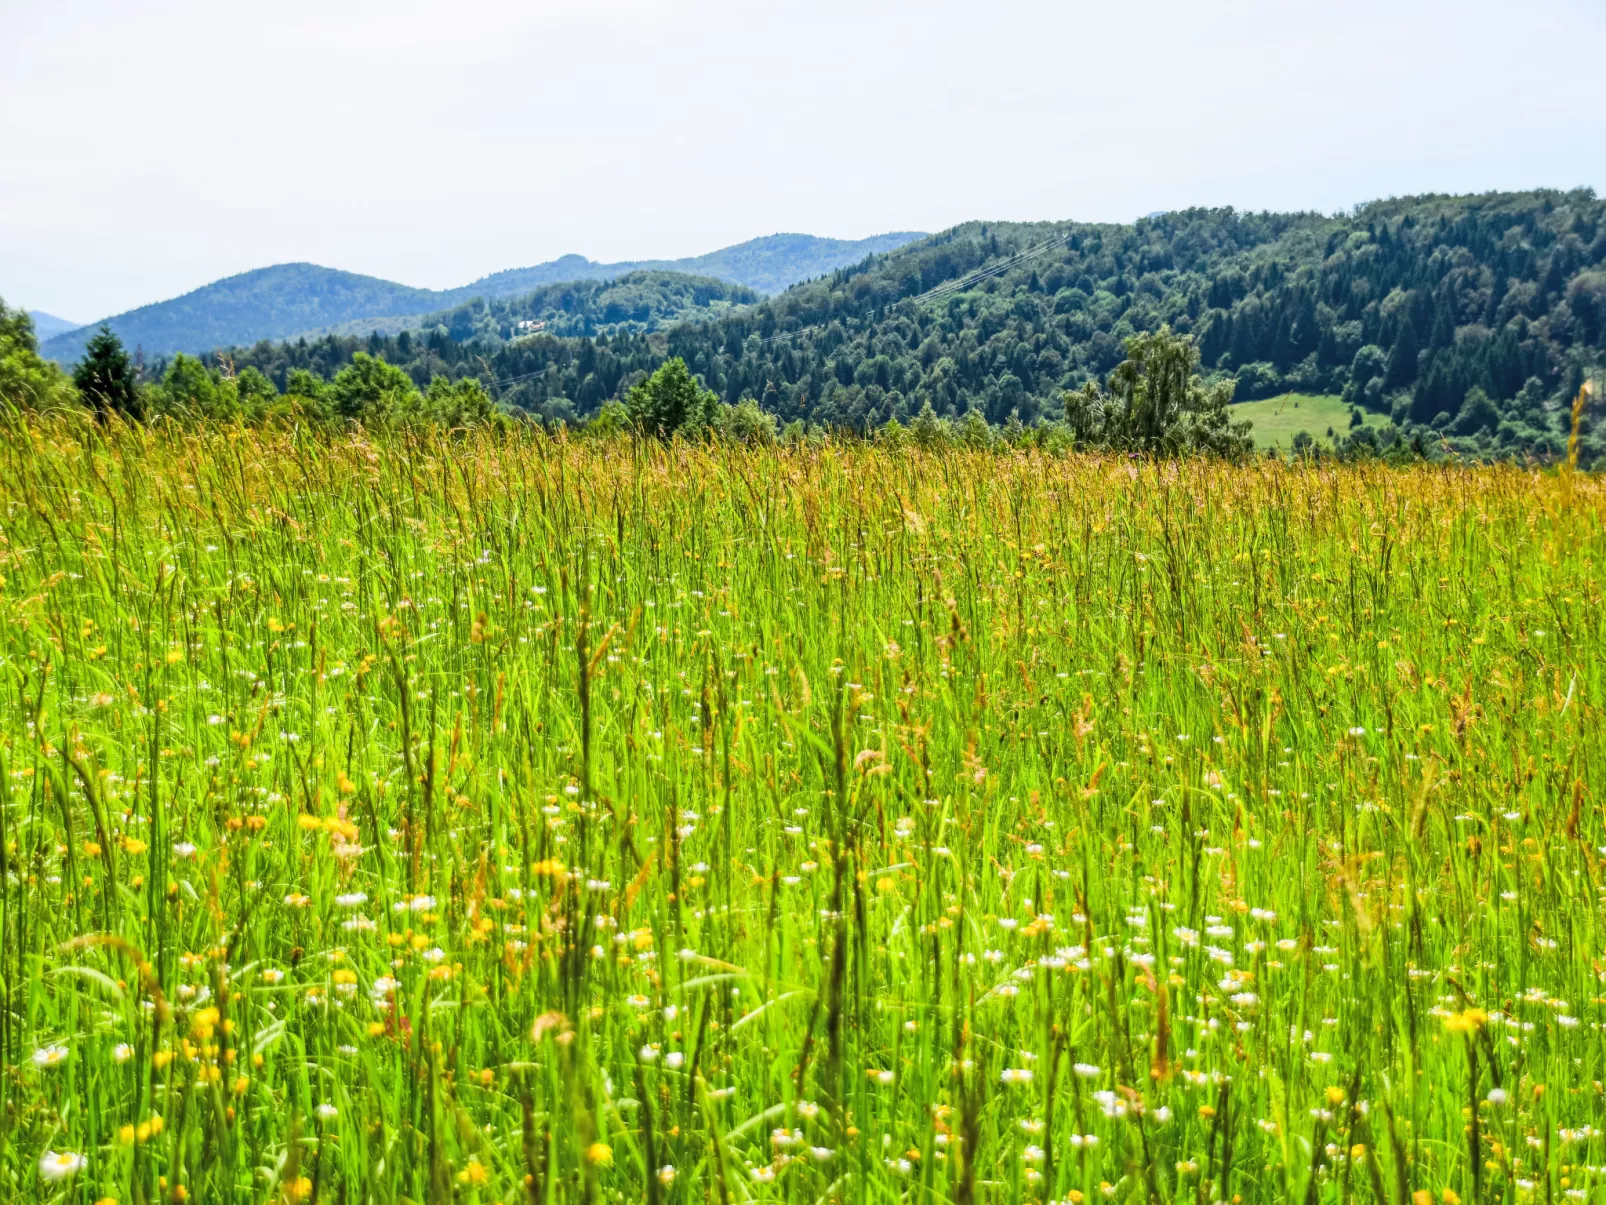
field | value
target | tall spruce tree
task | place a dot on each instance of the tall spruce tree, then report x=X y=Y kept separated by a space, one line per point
x=106 y=379
x=1402 y=358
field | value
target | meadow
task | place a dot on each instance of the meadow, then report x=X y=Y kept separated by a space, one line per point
x=497 y=818
x=1276 y=420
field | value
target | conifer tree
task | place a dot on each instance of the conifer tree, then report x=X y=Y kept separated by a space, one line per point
x=105 y=378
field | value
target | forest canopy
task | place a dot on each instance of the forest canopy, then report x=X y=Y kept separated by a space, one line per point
x=1468 y=320
x=1465 y=325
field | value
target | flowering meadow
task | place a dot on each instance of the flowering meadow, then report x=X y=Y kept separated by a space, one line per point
x=501 y=818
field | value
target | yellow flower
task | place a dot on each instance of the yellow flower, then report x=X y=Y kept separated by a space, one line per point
x=203 y=1023
x=1467 y=1021
x=474 y=1173
x=599 y=1154
x=133 y=845
x=309 y=823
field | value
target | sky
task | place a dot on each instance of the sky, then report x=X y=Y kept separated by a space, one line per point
x=155 y=145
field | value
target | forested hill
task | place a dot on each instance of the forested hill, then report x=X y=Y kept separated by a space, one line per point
x=766 y=265
x=1474 y=315
x=283 y=301
x=636 y=301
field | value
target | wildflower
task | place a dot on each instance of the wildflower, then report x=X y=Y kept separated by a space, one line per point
x=666 y=1174
x=122 y=1052
x=327 y=1112
x=473 y=1174
x=1016 y=1075
x=58 y=1165
x=599 y=1154
x=1467 y=1021
x=1087 y=1070
x=352 y=899
x=1111 y=1104
x=1497 y=1096
x=50 y=1056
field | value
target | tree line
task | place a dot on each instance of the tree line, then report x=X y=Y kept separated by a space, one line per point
x=1156 y=404
x=1470 y=322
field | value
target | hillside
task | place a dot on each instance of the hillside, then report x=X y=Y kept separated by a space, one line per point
x=770 y=264
x=266 y=303
x=289 y=301
x=1470 y=318
x=47 y=326
x=637 y=301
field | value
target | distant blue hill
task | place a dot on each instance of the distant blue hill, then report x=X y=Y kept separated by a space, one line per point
x=47 y=326
x=286 y=300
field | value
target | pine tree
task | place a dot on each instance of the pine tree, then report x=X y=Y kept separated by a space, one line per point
x=1402 y=359
x=105 y=378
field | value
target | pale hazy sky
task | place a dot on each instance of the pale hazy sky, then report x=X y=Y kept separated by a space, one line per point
x=150 y=147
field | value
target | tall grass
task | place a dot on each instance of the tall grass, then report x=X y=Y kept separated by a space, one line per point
x=496 y=818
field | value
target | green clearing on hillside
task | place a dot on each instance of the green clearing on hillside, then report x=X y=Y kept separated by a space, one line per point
x=1278 y=419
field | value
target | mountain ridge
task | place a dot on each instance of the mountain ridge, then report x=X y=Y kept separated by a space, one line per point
x=290 y=300
x=48 y=326
x=1469 y=321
